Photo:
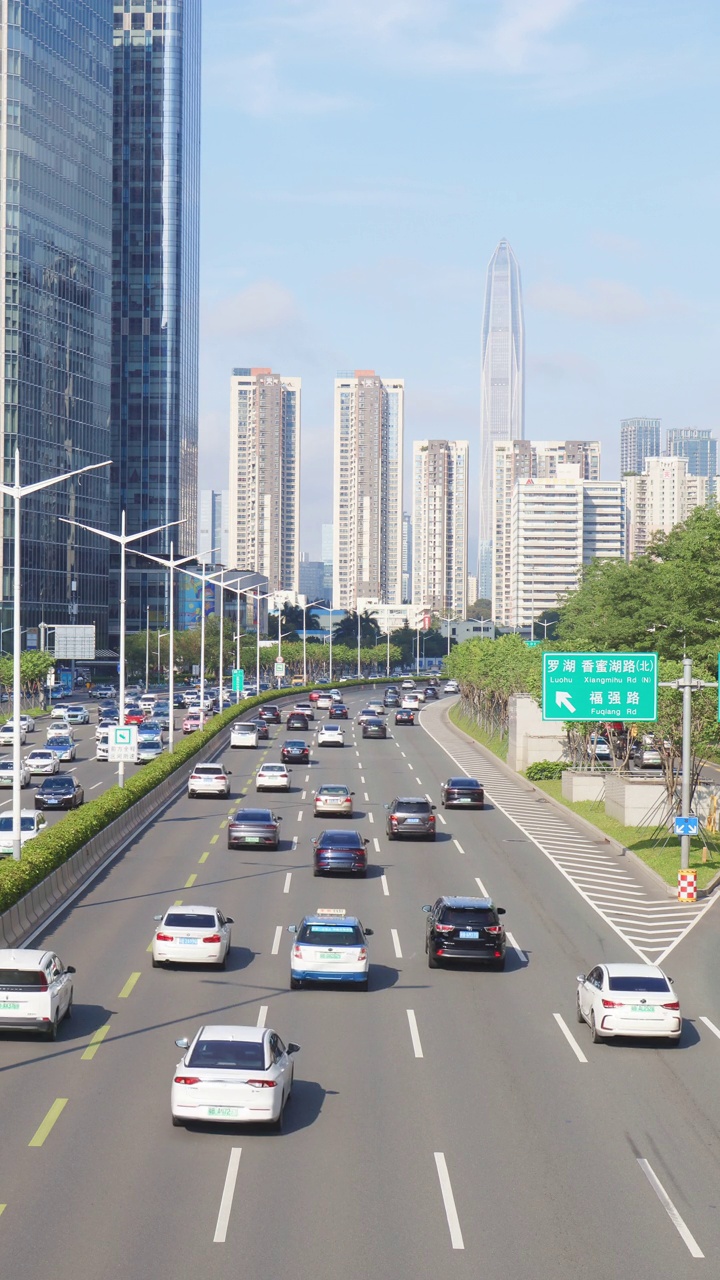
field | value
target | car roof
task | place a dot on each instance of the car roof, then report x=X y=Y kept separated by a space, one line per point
x=24 y=959
x=274 y=768
x=463 y=782
x=315 y=919
x=467 y=902
x=335 y=786
x=633 y=970
x=339 y=833
x=411 y=799
x=254 y=1035
x=243 y=813
x=193 y=910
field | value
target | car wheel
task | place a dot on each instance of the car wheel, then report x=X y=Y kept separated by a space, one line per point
x=594 y=1033
x=673 y=1042
x=364 y=986
x=432 y=959
x=155 y=963
x=295 y=983
x=69 y=1010
x=316 y=872
x=52 y=1030
x=390 y=835
x=177 y=1122
x=499 y=965
x=578 y=1012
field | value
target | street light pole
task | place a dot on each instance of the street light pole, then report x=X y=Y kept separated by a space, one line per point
x=147 y=646
x=160 y=636
x=17 y=492
x=358 y=620
x=123 y=540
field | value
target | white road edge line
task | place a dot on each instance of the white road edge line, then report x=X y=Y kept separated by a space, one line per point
x=227 y=1196
x=276 y=941
x=670 y=1209
x=453 y=1221
x=711 y=1026
x=262 y=1015
x=288 y=878
x=386 y=891
x=570 y=1038
x=414 y=1033
x=518 y=950
x=396 y=943
x=481 y=887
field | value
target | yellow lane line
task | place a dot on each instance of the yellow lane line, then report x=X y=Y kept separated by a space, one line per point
x=129 y=985
x=204 y=856
x=55 y=1111
x=214 y=839
x=190 y=881
x=3 y=1207
x=95 y=1043
x=223 y=823
x=177 y=902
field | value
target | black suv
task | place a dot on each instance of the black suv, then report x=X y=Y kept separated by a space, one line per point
x=410 y=816
x=374 y=728
x=465 y=929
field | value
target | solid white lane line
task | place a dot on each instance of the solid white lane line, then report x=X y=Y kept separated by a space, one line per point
x=262 y=1015
x=570 y=1038
x=276 y=941
x=370 y=818
x=481 y=887
x=458 y=846
x=288 y=878
x=396 y=943
x=711 y=1026
x=441 y=819
x=366 y=795
x=518 y=951
x=96 y=784
x=453 y=1221
x=386 y=891
x=376 y=844
x=227 y=1196
x=414 y=1033
x=300 y=814
x=670 y=1209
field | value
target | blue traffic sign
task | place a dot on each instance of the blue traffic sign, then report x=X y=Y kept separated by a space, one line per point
x=689 y=826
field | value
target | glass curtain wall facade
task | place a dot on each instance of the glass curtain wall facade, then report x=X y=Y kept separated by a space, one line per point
x=55 y=287
x=155 y=238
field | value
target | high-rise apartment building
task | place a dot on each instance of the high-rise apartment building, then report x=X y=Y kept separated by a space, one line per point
x=639 y=439
x=407 y=555
x=214 y=527
x=265 y=475
x=557 y=526
x=502 y=386
x=156 y=158
x=440 y=502
x=663 y=496
x=311 y=579
x=55 y=280
x=521 y=461
x=700 y=449
x=367 y=544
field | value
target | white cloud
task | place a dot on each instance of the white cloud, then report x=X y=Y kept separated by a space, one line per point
x=604 y=301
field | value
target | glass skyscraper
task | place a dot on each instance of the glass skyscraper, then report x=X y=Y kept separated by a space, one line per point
x=502 y=390
x=55 y=293
x=700 y=449
x=639 y=440
x=155 y=240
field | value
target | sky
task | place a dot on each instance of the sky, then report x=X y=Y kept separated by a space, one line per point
x=361 y=160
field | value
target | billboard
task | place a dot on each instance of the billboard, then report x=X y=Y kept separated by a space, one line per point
x=75 y=641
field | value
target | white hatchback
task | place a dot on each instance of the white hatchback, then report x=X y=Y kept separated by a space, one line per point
x=628 y=1000
x=36 y=991
x=272 y=777
x=232 y=1075
x=192 y=935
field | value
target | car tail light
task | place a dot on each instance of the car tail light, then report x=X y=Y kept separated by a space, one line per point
x=431 y=817
x=444 y=928
x=612 y=1004
x=261 y=1084
x=494 y=928
x=297 y=953
x=362 y=953
x=164 y=937
x=498 y=953
x=187 y=1080
x=674 y=1004
x=213 y=937
x=393 y=819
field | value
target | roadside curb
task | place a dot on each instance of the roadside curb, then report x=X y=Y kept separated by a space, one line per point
x=575 y=819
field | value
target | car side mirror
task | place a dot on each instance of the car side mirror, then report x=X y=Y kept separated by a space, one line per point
x=352 y=793
x=70 y=968
x=366 y=839
x=581 y=978
x=368 y=932
x=427 y=908
x=501 y=911
x=433 y=807
x=386 y=806
x=292 y=928
x=157 y=917
x=293 y=1048
x=183 y=1044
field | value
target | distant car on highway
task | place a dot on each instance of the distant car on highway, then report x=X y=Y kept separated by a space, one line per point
x=272 y=777
x=42 y=761
x=333 y=798
x=462 y=793
x=647 y=757
x=31 y=824
x=243 y=734
x=76 y=713
x=232 y=1075
x=374 y=727
x=192 y=721
x=7 y=733
x=63 y=791
x=329 y=946
x=337 y=849
x=7 y=773
x=295 y=751
x=297 y=720
x=192 y=935
x=404 y=715
x=36 y=991
x=209 y=780
x=148 y=749
x=338 y=711
x=270 y=713
x=465 y=929
x=63 y=746
x=410 y=816
x=253 y=827
x=330 y=735
x=628 y=1000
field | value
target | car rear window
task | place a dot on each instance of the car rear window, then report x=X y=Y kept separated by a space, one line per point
x=212 y=770
x=330 y=790
x=6 y=824
x=57 y=784
x=639 y=984
x=252 y=815
x=478 y=917
x=413 y=806
x=462 y=784
x=188 y=920
x=237 y=1054
x=331 y=935
x=339 y=840
x=23 y=978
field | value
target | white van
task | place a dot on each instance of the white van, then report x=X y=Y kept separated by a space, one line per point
x=36 y=991
x=243 y=734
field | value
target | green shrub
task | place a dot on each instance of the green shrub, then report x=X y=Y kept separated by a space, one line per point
x=545 y=769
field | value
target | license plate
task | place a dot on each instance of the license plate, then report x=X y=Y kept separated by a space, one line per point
x=252 y=839
x=465 y=799
x=330 y=955
x=224 y=1113
x=51 y=802
x=412 y=822
x=643 y=1008
x=469 y=933
x=7 y=1004
x=188 y=942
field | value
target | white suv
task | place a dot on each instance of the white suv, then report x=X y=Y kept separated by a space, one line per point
x=209 y=780
x=244 y=734
x=36 y=991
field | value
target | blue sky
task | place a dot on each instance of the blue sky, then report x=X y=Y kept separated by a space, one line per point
x=361 y=159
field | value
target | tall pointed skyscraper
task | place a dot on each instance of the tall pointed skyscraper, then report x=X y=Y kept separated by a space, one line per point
x=502 y=414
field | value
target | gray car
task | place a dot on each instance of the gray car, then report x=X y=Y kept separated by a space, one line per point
x=410 y=816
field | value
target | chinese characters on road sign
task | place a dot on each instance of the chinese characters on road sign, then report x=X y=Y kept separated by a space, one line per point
x=600 y=686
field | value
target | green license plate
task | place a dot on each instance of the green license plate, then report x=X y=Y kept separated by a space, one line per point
x=643 y=1008
x=224 y=1113
x=7 y=1005
x=252 y=839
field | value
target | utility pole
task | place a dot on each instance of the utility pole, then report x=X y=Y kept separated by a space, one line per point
x=687 y=686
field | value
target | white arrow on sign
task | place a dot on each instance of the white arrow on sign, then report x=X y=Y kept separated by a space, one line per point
x=563 y=700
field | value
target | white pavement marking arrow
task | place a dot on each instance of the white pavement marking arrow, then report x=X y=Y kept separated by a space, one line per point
x=563 y=700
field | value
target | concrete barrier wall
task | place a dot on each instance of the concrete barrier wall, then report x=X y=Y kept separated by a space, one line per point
x=635 y=802
x=583 y=785
x=530 y=738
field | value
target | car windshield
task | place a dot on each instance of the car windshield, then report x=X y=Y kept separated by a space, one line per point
x=340 y=840
x=413 y=806
x=234 y=1054
x=295 y=744
x=469 y=917
x=273 y=768
x=212 y=770
x=189 y=920
x=331 y=935
x=57 y=784
x=330 y=790
x=22 y=978
x=253 y=815
x=62 y=742
x=657 y=985
x=6 y=823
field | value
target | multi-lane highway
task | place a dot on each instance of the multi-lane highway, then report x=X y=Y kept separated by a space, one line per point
x=455 y=1123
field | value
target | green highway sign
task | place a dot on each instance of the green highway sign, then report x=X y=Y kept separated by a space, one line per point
x=238 y=680
x=532 y=644
x=599 y=686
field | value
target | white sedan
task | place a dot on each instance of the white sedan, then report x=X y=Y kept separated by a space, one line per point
x=42 y=762
x=272 y=777
x=28 y=723
x=330 y=735
x=6 y=734
x=192 y=935
x=7 y=773
x=58 y=711
x=628 y=1000
x=231 y=1075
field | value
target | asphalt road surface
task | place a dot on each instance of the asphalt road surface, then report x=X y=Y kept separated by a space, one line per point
x=449 y=1122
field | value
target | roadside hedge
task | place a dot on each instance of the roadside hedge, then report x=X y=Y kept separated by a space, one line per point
x=49 y=850
x=543 y=770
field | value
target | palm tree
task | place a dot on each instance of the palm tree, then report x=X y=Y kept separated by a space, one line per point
x=346 y=631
